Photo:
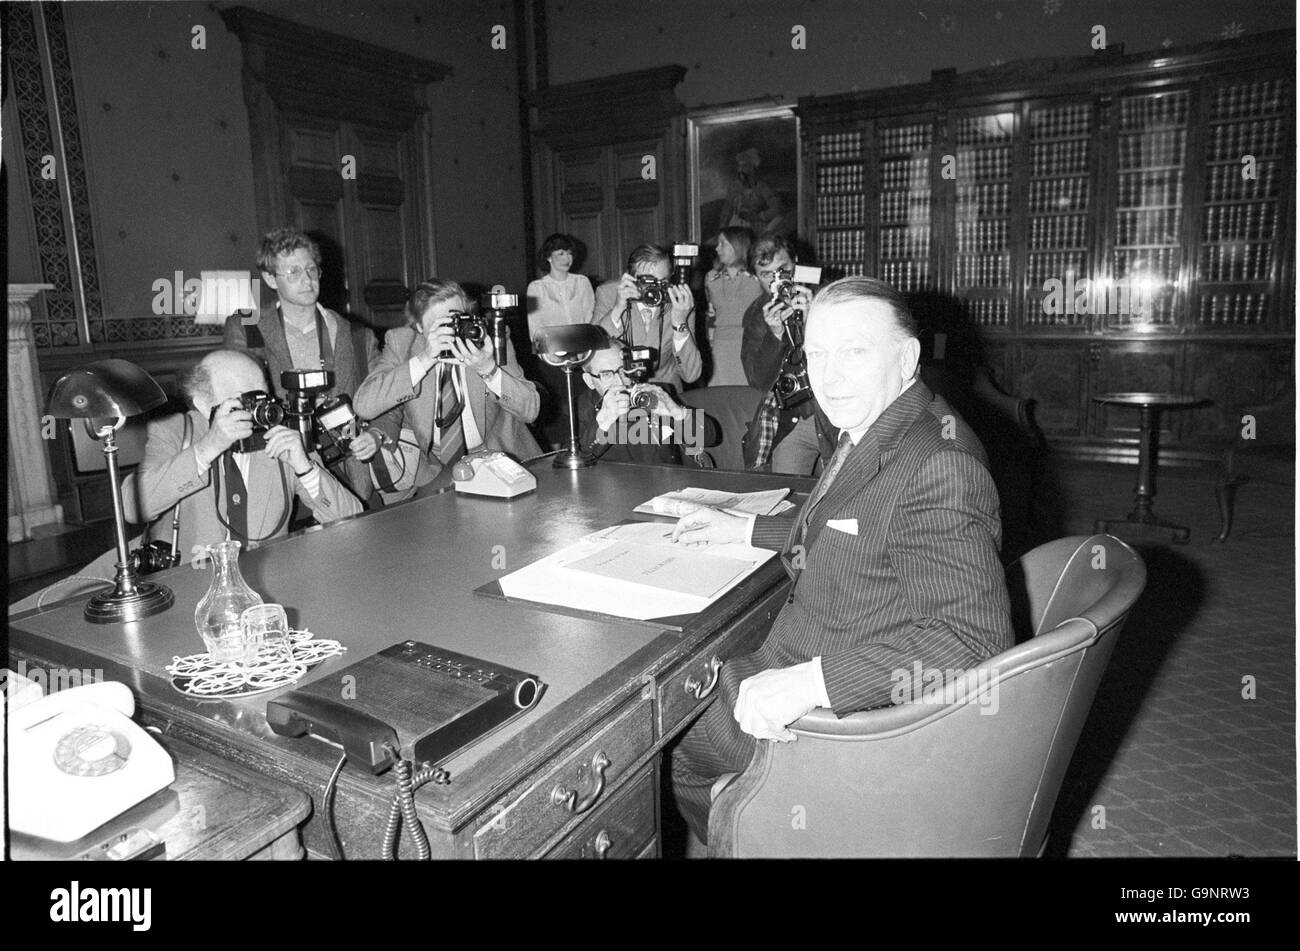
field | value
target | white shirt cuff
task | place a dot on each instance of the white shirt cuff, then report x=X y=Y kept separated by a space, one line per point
x=679 y=339
x=819 y=683
x=493 y=382
x=311 y=482
x=749 y=529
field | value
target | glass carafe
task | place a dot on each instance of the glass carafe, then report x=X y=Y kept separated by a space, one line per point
x=217 y=616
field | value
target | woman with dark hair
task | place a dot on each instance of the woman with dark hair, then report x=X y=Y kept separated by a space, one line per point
x=730 y=288
x=451 y=394
x=557 y=298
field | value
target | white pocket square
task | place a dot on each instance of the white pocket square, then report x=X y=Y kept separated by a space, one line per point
x=847 y=525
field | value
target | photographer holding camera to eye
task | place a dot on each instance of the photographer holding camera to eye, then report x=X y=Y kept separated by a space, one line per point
x=646 y=309
x=621 y=420
x=789 y=432
x=439 y=376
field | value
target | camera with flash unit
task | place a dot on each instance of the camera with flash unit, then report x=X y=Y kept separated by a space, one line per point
x=333 y=418
x=684 y=256
x=639 y=362
x=651 y=291
x=788 y=281
x=645 y=399
x=496 y=305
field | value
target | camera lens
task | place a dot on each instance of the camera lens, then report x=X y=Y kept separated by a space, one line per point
x=267 y=414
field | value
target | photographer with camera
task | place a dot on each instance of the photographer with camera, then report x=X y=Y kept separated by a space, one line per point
x=296 y=332
x=439 y=376
x=645 y=310
x=229 y=465
x=789 y=432
x=624 y=421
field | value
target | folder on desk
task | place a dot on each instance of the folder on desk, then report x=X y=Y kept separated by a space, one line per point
x=632 y=572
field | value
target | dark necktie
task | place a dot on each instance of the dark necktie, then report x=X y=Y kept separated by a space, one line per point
x=236 y=497
x=451 y=432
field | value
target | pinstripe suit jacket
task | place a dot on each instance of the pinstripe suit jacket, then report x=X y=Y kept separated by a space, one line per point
x=920 y=581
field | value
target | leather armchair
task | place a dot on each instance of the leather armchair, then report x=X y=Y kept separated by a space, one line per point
x=972 y=773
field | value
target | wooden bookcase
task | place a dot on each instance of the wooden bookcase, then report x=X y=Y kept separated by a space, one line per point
x=1107 y=222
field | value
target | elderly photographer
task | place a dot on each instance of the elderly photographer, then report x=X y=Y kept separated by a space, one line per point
x=448 y=391
x=616 y=429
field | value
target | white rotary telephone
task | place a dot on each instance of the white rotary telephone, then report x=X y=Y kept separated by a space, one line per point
x=76 y=761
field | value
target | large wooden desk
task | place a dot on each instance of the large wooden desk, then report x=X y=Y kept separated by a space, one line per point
x=620 y=689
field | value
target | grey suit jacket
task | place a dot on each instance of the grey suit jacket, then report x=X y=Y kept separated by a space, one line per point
x=676 y=368
x=169 y=474
x=388 y=399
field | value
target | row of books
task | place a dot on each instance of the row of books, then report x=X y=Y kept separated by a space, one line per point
x=1144 y=189
x=1158 y=111
x=982 y=163
x=1147 y=149
x=1236 y=262
x=900 y=243
x=908 y=138
x=839 y=210
x=1058 y=194
x=1161 y=264
x=839 y=178
x=1226 y=309
x=904 y=207
x=1247 y=100
x=1058 y=231
x=981 y=130
x=906 y=275
x=1063 y=266
x=1262 y=138
x=988 y=312
x=983 y=270
x=978 y=237
x=1060 y=122
x=905 y=173
x=1247 y=220
x=1149 y=226
x=838 y=246
x=983 y=201
x=1230 y=182
x=839 y=145
x=1060 y=158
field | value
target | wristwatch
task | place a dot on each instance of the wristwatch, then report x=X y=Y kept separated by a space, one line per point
x=681 y=328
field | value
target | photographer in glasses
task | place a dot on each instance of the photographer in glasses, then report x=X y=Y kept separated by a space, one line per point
x=793 y=438
x=296 y=332
x=612 y=424
x=644 y=310
x=447 y=389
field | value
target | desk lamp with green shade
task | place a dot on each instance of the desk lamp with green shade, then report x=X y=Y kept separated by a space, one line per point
x=104 y=395
x=568 y=347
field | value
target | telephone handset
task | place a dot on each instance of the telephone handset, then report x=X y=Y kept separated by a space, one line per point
x=76 y=761
x=492 y=473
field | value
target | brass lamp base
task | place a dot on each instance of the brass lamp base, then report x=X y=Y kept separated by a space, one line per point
x=574 y=458
x=110 y=607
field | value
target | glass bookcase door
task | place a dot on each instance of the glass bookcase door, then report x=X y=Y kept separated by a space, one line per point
x=840 y=202
x=1142 y=292
x=982 y=215
x=903 y=198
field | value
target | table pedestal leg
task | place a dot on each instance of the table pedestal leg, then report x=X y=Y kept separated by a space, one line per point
x=1145 y=491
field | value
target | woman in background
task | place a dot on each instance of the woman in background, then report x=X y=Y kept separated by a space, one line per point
x=730 y=288
x=555 y=299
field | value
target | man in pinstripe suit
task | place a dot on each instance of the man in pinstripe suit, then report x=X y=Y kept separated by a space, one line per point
x=894 y=557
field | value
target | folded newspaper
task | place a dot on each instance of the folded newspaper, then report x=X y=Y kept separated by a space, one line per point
x=685 y=501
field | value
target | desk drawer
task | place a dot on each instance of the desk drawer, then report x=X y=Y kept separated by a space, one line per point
x=684 y=689
x=577 y=785
x=618 y=829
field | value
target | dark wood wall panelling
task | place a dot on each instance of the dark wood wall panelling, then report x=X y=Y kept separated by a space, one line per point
x=1110 y=167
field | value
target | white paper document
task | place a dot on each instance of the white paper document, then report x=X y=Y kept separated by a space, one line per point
x=634 y=571
x=686 y=501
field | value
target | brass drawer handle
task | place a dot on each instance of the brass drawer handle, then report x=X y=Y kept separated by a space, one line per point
x=568 y=799
x=603 y=844
x=700 y=691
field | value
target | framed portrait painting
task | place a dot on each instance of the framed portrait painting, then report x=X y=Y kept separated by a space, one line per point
x=744 y=169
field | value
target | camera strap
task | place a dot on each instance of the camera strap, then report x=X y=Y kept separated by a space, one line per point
x=226 y=461
x=187 y=433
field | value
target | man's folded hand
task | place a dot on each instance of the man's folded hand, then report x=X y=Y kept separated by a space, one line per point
x=771 y=700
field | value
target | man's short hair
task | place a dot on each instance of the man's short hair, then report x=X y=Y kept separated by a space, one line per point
x=553 y=243
x=762 y=251
x=613 y=343
x=284 y=241
x=427 y=293
x=853 y=288
x=646 y=254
